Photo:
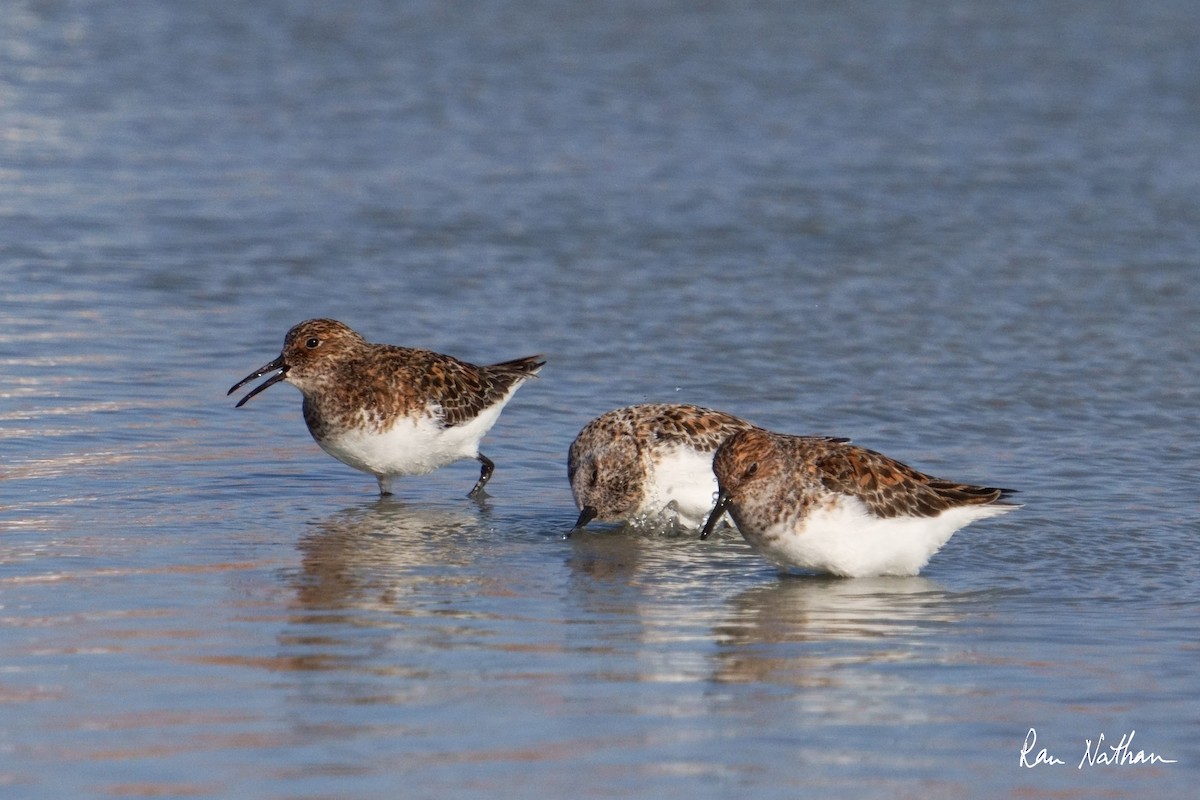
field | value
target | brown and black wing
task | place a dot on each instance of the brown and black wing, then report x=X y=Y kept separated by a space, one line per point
x=892 y=489
x=464 y=390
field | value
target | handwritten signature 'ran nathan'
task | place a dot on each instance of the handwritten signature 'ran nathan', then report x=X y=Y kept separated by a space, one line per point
x=1119 y=754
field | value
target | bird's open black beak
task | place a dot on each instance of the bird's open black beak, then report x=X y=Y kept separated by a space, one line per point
x=586 y=515
x=277 y=364
x=723 y=500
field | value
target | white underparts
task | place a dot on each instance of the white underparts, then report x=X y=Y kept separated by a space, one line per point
x=412 y=446
x=842 y=538
x=681 y=482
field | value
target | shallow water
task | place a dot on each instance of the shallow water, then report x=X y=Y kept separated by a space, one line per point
x=965 y=235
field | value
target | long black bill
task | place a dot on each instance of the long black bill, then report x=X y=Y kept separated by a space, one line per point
x=721 y=507
x=277 y=364
x=586 y=515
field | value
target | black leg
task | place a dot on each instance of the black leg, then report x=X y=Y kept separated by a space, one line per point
x=485 y=475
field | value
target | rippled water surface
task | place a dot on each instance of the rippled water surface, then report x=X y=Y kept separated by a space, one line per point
x=964 y=233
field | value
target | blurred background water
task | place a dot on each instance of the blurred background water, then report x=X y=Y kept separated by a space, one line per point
x=963 y=233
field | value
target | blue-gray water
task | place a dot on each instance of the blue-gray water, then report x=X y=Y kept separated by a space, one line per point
x=966 y=234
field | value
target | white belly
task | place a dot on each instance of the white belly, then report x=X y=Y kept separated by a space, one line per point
x=410 y=446
x=846 y=540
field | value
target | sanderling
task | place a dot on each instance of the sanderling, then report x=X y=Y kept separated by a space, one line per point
x=648 y=464
x=824 y=505
x=391 y=411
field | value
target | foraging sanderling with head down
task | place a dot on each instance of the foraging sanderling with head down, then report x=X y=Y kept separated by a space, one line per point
x=824 y=505
x=649 y=464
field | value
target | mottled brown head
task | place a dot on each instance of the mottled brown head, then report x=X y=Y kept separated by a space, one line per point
x=744 y=460
x=307 y=348
x=606 y=477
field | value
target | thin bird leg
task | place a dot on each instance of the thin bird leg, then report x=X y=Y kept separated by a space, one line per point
x=485 y=474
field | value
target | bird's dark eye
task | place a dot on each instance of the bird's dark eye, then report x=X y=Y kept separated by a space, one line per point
x=750 y=470
x=312 y=343
x=595 y=475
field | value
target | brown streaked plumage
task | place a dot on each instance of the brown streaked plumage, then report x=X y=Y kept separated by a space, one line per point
x=824 y=504
x=648 y=463
x=389 y=410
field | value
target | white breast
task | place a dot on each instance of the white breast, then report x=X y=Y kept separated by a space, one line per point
x=680 y=480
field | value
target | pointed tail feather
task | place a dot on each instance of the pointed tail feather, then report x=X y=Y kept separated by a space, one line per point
x=530 y=365
x=967 y=494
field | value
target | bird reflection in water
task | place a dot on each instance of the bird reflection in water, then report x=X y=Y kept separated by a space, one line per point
x=780 y=632
x=372 y=557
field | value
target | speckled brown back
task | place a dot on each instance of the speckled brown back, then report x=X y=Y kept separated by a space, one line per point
x=887 y=487
x=798 y=472
x=701 y=428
